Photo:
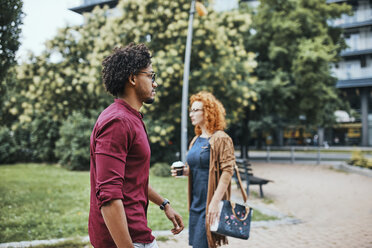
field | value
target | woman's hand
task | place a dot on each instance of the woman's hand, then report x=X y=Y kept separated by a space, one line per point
x=185 y=171
x=213 y=209
x=173 y=172
x=213 y=213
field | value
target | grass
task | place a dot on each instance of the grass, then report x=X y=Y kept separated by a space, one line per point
x=162 y=238
x=39 y=201
x=76 y=243
x=258 y=216
x=265 y=200
x=175 y=190
x=338 y=170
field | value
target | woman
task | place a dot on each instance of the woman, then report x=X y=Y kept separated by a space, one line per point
x=210 y=164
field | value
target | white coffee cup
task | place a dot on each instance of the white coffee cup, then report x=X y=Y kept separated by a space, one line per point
x=178 y=166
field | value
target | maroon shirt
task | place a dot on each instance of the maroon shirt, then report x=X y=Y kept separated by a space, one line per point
x=119 y=169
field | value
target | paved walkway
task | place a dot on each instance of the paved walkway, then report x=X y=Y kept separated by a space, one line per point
x=335 y=209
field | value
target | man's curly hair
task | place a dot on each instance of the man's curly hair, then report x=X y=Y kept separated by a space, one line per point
x=213 y=112
x=121 y=64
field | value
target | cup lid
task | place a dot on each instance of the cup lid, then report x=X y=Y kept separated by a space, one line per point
x=177 y=164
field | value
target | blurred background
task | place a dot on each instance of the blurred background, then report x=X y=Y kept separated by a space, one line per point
x=290 y=73
x=293 y=75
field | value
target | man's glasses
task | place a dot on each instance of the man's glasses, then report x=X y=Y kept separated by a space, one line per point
x=153 y=75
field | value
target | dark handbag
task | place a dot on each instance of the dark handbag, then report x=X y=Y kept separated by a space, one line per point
x=235 y=219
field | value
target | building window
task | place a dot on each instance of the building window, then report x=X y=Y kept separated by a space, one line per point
x=348 y=71
x=363 y=61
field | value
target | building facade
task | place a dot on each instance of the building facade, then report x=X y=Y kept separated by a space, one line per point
x=354 y=72
x=88 y=5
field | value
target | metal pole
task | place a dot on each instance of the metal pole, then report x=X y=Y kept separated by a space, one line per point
x=185 y=87
x=318 y=156
x=268 y=154
x=292 y=155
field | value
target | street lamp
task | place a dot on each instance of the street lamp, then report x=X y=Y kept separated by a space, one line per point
x=185 y=87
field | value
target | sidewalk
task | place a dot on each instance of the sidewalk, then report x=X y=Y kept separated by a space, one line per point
x=334 y=209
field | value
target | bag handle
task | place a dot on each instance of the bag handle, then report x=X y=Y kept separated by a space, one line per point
x=244 y=194
x=233 y=211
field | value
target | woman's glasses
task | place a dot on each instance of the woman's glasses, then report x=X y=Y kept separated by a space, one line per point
x=195 y=110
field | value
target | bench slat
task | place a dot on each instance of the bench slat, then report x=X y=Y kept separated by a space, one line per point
x=245 y=170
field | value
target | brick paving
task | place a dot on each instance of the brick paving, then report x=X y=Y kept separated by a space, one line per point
x=335 y=209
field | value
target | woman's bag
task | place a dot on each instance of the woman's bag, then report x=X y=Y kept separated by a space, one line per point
x=235 y=219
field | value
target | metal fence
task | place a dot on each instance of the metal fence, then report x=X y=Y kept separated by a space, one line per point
x=305 y=154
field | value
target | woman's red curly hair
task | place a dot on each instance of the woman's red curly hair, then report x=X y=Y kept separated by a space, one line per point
x=213 y=112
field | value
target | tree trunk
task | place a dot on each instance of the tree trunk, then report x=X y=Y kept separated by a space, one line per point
x=244 y=141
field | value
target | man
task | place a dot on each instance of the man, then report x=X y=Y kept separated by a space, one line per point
x=120 y=156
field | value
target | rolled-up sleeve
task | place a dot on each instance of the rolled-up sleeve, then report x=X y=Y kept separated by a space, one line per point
x=112 y=145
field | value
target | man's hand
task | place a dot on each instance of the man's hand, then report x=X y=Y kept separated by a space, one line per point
x=168 y=210
x=175 y=218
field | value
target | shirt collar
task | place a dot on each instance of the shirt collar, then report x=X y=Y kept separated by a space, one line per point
x=127 y=106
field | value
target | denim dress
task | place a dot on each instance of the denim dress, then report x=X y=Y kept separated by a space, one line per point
x=198 y=160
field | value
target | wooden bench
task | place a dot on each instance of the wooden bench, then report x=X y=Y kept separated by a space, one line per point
x=245 y=171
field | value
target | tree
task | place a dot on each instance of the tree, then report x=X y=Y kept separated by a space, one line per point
x=220 y=63
x=10 y=21
x=295 y=47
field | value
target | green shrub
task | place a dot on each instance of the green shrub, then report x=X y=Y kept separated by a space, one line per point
x=21 y=134
x=369 y=163
x=356 y=156
x=36 y=140
x=72 y=149
x=44 y=133
x=161 y=154
x=8 y=146
x=160 y=170
x=358 y=159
